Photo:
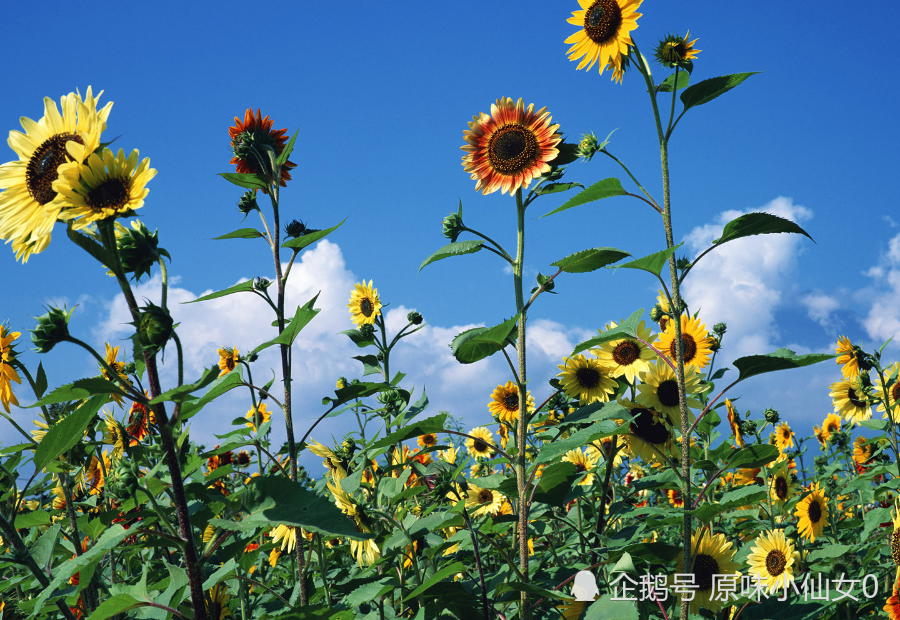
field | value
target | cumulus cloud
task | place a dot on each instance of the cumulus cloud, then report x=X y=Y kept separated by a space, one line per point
x=820 y=307
x=883 y=318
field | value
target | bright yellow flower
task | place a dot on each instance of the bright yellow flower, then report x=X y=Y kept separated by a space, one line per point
x=584 y=463
x=287 y=535
x=627 y=357
x=364 y=304
x=659 y=388
x=784 y=436
x=483 y=501
x=772 y=559
x=7 y=372
x=504 y=403
x=112 y=353
x=695 y=342
x=847 y=358
x=734 y=422
x=228 y=359
x=812 y=511
x=586 y=379
x=605 y=32
x=480 y=447
x=258 y=416
x=714 y=556
x=831 y=425
x=850 y=401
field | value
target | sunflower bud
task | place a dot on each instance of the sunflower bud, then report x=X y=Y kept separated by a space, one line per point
x=261 y=284
x=771 y=416
x=841 y=439
x=414 y=317
x=247 y=203
x=750 y=427
x=154 y=327
x=52 y=328
x=349 y=447
x=252 y=357
x=126 y=480
x=453 y=226
x=657 y=313
x=719 y=329
x=341 y=383
x=138 y=248
x=676 y=51
x=295 y=228
x=252 y=146
x=380 y=356
x=587 y=147
x=367 y=331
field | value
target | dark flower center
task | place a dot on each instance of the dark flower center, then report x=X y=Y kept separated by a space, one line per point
x=646 y=428
x=895 y=547
x=511 y=402
x=366 y=307
x=485 y=496
x=429 y=440
x=111 y=194
x=895 y=393
x=775 y=562
x=580 y=467
x=814 y=511
x=626 y=352
x=854 y=398
x=602 y=21
x=479 y=446
x=688 y=345
x=781 y=488
x=667 y=393
x=40 y=172
x=587 y=377
x=512 y=148
x=229 y=362
x=674 y=51
x=705 y=566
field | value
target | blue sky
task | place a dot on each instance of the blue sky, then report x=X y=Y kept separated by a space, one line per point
x=381 y=94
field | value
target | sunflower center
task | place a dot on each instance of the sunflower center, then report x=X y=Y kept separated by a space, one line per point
x=775 y=562
x=587 y=378
x=111 y=194
x=895 y=547
x=429 y=440
x=366 y=307
x=781 y=488
x=229 y=363
x=40 y=171
x=667 y=392
x=854 y=398
x=705 y=566
x=688 y=345
x=512 y=148
x=626 y=352
x=674 y=51
x=485 y=496
x=511 y=402
x=646 y=428
x=602 y=21
x=814 y=511
x=479 y=446
x=580 y=466
x=895 y=393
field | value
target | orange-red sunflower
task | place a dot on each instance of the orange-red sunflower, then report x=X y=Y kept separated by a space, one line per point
x=509 y=147
x=257 y=131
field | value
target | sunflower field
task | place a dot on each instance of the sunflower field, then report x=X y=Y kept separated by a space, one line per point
x=639 y=488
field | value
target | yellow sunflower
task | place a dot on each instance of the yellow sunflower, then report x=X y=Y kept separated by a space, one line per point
x=29 y=206
x=364 y=304
x=509 y=147
x=772 y=559
x=862 y=451
x=106 y=185
x=257 y=416
x=676 y=51
x=449 y=455
x=812 y=511
x=714 y=556
x=651 y=435
x=782 y=486
x=114 y=436
x=892 y=394
x=480 y=447
x=217 y=602
x=659 y=388
x=95 y=476
x=112 y=353
x=366 y=551
x=585 y=379
x=849 y=401
x=571 y=610
x=628 y=356
x=7 y=372
x=484 y=501
x=599 y=450
x=734 y=421
x=604 y=36
x=895 y=534
x=820 y=435
x=503 y=432
x=695 y=342
x=784 y=436
x=747 y=475
x=504 y=403
x=287 y=535
x=831 y=425
x=675 y=498
x=584 y=463
x=428 y=440
x=228 y=359
x=847 y=358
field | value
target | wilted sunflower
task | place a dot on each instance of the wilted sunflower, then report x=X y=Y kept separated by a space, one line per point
x=627 y=356
x=659 y=388
x=509 y=147
x=772 y=559
x=695 y=342
x=585 y=379
x=247 y=140
x=604 y=36
x=29 y=207
x=892 y=605
x=831 y=425
x=228 y=359
x=7 y=372
x=584 y=463
x=849 y=402
x=650 y=433
x=484 y=501
x=112 y=353
x=677 y=51
x=504 y=403
x=364 y=304
x=734 y=421
x=784 y=436
x=107 y=185
x=813 y=513
x=782 y=486
x=480 y=447
x=714 y=556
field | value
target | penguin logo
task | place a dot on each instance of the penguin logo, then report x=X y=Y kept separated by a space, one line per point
x=585 y=586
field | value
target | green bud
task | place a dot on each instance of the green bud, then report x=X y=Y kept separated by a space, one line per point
x=771 y=416
x=682 y=263
x=247 y=203
x=154 y=327
x=750 y=427
x=587 y=147
x=52 y=328
x=719 y=329
x=380 y=356
x=348 y=446
x=126 y=477
x=453 y=226
x=295 y=228
x=656 y=313
x=414 y=317
x=261 y=284
x=367 y=331
x=138 y=248
x=252 y=357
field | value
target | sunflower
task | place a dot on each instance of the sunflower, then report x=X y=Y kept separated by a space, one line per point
x=892 y=605
x=287 y=535
x=448 y=455
x=217 y=602
x=782 y=486
x=850 y=401
x=30 y=207
x=892 y=394
x=7 y=372
x=772 y=559
x=584 y=463
x=484 y=501
x=862 y=451
x=784 y=436
x=503 y=432
x=480 y=446
x=228 y=359
x=366 y=551
x=813 y=513
x=734 y=421
x=747 y=475
x=659 y=388
x=509 y=147
x=714 y=556
x=895 y=534
x=139 y=420
x=599 y=450
x=246 y=139
x=604 y=36
x=114 y=436
x=848 y=358
x=650 y=433
x=831 y=425
x=695 y=342
x=675 y=498
x=820 y=435
x=676 y=51
x=364 y=304
x=504 y=403
x=258 y=416
x=663 y=302
x=107 y=185
x=628 y=356
x=586 y=379
x=112 y=353
x=428 y=440
x=95 y=476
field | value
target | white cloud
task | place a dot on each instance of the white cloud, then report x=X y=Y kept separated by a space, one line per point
x=883 y=318
x=820 y=307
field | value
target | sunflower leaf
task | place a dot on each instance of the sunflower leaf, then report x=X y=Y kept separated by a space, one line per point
x=370 y=364
x=780 y=359
x=241 y=233
x=288 y=148
x=554 y=188
x=302 y=317
x=247 y=285
x=597 y=430
x=67 y=432
x=707 y=90
x=299 y=243
x=608 y=607
x=246 y=179
x=590 y=260
x=434 y=424
x=480 y=342
x=78 y=390
x=219 y=386
x=652 y=263
x=354 y=391
x=755 y=455
x=90 y=246
x=457 y=248
x=668 y=85
x=178 y=394
x=628 y=327
x=555 y=483
x=598 y=191
x=758 y=224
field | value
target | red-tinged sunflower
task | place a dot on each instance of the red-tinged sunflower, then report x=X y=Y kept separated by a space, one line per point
x=892 y=605
x=605 y=32
x=139 y=420
x=862 y=451
x=248 y=140
x=675 y=498
x=509 y=147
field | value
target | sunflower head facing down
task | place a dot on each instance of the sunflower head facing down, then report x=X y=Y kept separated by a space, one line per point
x=586 y=379
x=831 y=425
x=364 y=306
x=504 y=403
x=772 y=559
x=714 y=556
x=250 y=141
x=812 y=511
x=605 y=32
x=509 y=147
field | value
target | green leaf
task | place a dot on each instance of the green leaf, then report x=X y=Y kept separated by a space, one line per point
x=447 y=571
x=518 y=586
x=354 y=391
x=567 y=154
x=246 y=179
x=31 y=519
x=219 y=386
x=668 y=85
x=40 y=381
x=758 y=224
x=286 y=151
x=457 y=248
x=652 y=263
x=628 y=328
x=780 y=359
x=554 y=188
x=302 y=317
x=742 y=496
x=241 y=233
x=598 y=191
x=69 y=431
x=434 y=424
x=115 y=605
x=298 y=243
x=590 y=260
x=755 y=455
x=606 y=608
x=237 y=288
x=370 y=364
x=80 y=390
x=876 y=425
x=554 y=483
x=597 y=430
x=873 y=520
x=90 y=245
x=829 y=553
x=178 y=394
x=478 y=343
x=707 y=90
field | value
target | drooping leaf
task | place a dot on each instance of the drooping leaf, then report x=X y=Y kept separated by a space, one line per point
x=246 y=179
x=178 y=394
x=298 y=243
x=606 y=188
x=590 y=260
x=480 y=342
x=241 y=233
x=627 y=328
x=370 y=363
x=69 y=431
x=780 y=359
x=237 y=288
x=758 y=224
x=652 y=263
x=707 y=90
x=457 y=248
x=597 y=430
x=444 y=573
x=90 y=245
x=115 y=605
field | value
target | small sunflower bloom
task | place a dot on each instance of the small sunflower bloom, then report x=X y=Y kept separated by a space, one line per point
x=831 y=426
x=734 y=421
x=364 y=306
x=258 y=416
x=659 y=388
x=812 y=511
x=428 y=440
x=784 y=437
x=479 y=444
x=677 y=51
x=605 y=33
x=849 y=400
x=228 y=359
x=483 y=501
x=112 y=354
x=772 y=559
x=8 y=373
x=626 y=357
x=504 y=403
x=848 y=358
x=695 y=342
x=586 y=379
